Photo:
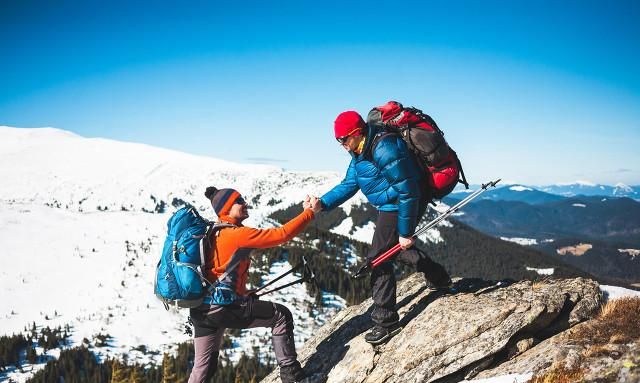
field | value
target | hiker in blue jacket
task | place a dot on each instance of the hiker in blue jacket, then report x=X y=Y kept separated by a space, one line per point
x=387 y=173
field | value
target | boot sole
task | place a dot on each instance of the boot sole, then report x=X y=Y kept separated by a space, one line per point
x=385 y=338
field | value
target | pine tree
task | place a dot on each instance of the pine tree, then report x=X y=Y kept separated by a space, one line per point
x=118 y=372
x=136 y=375
x=168 y=369
x=32 y=355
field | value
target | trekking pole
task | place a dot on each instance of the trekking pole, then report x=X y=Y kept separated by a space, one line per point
x=307 y=276
x=395 y=249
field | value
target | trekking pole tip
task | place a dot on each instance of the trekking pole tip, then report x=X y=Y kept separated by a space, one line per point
x=358 y=273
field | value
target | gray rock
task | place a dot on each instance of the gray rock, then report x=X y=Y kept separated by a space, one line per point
x=450 y=337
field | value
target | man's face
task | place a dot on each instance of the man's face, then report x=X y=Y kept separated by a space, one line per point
x=349 y=143
x=239 y=209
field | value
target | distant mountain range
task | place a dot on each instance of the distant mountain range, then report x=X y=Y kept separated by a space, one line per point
x=518 y=193
x=588 y=189
x=600 y=222
x=610 y=219
x=550 y=193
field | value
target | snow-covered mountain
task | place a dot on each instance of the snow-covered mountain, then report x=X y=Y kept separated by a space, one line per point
x=591 y=189
x=80 y=245
x=549 y=193
x=515 y=192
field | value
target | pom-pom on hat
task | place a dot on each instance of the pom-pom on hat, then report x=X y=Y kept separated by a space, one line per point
x=349 y=123
x=221 y=199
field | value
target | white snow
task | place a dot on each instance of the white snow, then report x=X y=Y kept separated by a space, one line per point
x=616 y=292
x=344 y=227
x=432 y=235
x=520 y=188
x=364 y=233
x=579 y=205
x=82 y=250
x=621 y=188
x=440 y=207
x=548 y=271
x=521 y=241
x=357 y=200
x=632 y=252
x=360 y=233
x=584 y=183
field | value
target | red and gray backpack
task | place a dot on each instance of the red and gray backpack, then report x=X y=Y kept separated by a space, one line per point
x=426 y=141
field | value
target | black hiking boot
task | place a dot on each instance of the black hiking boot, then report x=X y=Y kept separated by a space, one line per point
x=443 y=285
x=292 y=373
x=379 y=334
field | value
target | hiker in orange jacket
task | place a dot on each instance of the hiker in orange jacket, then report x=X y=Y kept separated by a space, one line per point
x=230 y=306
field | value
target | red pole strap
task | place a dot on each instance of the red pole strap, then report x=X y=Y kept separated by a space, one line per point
x=384 y=256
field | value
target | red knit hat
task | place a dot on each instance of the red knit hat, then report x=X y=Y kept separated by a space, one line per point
x=349 y=123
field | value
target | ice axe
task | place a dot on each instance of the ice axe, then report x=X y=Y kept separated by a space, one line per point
x=395 y=249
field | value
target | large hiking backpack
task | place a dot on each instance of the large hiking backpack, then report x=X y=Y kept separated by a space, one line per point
x=179 y=276
x=423 y=137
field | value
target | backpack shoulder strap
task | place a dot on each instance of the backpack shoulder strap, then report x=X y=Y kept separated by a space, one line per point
x=209 y=239
x=376 y=140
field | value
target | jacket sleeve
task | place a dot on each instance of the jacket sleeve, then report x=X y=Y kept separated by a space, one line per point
x=343 y=191
x=263 y=238
x=397 y=165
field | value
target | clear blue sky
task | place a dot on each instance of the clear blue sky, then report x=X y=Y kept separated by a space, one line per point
x=531 y=91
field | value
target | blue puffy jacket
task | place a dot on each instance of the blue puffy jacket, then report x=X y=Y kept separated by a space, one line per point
x=391 y=182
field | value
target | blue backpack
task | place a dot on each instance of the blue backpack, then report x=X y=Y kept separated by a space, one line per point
x=179 y=278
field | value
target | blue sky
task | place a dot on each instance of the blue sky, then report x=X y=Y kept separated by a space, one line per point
x=530 y=91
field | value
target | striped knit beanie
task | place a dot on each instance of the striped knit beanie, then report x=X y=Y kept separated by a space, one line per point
x=221 y=199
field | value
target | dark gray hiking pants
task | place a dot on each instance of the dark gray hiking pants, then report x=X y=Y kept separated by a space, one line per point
x=209 y=323
x=383 y=281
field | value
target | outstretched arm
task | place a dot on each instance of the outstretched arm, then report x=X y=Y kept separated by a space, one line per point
x=341 y=192
x=265 y=238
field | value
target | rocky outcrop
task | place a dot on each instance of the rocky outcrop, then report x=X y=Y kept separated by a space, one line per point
x=447 y=338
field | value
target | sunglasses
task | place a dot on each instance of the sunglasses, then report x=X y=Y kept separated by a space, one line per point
x=342 y=140
x=240 y=201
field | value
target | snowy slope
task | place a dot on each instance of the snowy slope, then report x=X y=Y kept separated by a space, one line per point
x=75 y=228
x=50 y=166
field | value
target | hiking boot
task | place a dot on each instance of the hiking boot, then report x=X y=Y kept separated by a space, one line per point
x=292 y=373
x=379 y=334
x=445 y=285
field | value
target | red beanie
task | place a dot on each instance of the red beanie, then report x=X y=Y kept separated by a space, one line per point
x=348 y=123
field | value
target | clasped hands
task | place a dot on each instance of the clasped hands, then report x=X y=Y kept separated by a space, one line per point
x=313 y=203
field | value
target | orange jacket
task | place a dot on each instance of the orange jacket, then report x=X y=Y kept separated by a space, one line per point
x=233 y=245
